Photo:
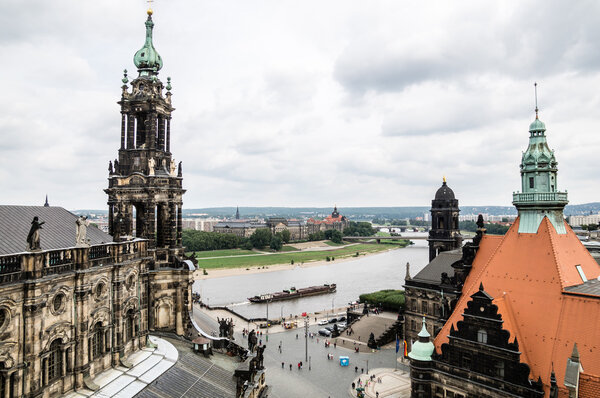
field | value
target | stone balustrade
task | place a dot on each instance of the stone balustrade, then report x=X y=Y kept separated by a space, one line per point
x=32 y=265
x=532 y=197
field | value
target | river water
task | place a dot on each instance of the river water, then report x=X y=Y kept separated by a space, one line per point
x=364 y=274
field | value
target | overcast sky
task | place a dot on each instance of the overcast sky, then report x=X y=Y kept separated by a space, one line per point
x=304 y=103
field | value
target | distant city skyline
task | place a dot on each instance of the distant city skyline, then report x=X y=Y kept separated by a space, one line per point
x=304 y=104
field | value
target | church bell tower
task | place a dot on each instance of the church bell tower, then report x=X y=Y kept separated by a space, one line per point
x=444 y=233
x=145 y=183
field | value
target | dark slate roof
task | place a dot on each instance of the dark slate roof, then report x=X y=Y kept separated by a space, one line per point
x=193 y=375
x=441 y=263
x=591 y=287
x=58 y=232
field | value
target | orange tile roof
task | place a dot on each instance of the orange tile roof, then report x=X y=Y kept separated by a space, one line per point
x=589 y=386
x=527 y=274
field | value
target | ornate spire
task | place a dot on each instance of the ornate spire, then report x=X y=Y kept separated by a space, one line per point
x=539 y=197
x=46 y=204
x=147 y=59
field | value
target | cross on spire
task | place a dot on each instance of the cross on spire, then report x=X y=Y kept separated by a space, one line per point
x=149 y=6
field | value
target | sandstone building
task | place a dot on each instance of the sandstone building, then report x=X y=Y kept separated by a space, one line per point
x=67 y=311
x=334 y=221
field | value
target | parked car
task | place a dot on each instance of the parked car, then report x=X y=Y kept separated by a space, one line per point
x=324 y=332
x=342 y=326
x=328 y=328
x=323 y=322
x=333 y=320
x=341 y=319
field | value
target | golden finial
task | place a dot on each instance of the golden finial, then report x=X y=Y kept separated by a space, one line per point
x=444 y=178
x=149 y=7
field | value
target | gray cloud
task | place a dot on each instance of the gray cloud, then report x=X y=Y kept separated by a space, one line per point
x=355 y=104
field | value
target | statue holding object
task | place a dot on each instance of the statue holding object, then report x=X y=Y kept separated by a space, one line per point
x=33 y=238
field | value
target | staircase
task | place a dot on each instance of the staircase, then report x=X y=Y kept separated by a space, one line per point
x=390 y=334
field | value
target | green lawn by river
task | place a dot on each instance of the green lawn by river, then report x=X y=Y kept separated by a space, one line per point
x=252 y=259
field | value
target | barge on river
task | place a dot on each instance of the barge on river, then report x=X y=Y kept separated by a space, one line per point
x=293 y=293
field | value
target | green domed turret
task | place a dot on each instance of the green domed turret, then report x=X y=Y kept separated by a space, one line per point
x=147 y=59
x=423 y=348
x=539 y=196
x=537 y=126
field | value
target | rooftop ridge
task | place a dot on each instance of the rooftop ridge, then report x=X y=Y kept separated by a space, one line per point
x=553 y=246
x=464 y=298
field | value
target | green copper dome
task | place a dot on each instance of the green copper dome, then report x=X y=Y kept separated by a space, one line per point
x=147 y=59
x=423 y=348
x=537 y=126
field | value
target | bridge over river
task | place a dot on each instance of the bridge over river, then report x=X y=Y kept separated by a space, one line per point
x=380 y=238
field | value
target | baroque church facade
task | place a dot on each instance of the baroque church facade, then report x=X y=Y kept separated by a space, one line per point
x=70 y=311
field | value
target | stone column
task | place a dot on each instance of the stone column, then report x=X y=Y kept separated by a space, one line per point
x=169 y=134
x=179 y=224
x=150 y=222
x=151 y=131
x=130 y=131
x=6 y=385
x=161 y=133
x=63 y=370
x=172 y=240
x=123 y=123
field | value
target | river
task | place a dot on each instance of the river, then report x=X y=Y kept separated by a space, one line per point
x=353 y=277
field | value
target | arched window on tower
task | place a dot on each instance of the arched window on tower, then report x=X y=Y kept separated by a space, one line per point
x=97 y=343
x=55 y=361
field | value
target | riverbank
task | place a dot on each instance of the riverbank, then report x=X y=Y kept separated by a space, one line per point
x=225 y=272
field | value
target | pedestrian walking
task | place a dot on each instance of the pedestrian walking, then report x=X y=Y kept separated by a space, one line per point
x=353 y=385
x=362 y=370
x=334 y=344
x=290 y=367
x=282 y=365
x=355 y=369
x=296 y=336
x=377 y=394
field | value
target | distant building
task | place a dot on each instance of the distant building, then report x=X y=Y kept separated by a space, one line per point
x=297 y=228
x=334 y=221
x=577 y=221
x=242 y=228
x=200 y=224
x=444 y=233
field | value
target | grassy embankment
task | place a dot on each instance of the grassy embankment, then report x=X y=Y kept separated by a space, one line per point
x=259 y=260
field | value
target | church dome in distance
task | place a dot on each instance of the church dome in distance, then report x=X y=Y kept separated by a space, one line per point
x=444 y=193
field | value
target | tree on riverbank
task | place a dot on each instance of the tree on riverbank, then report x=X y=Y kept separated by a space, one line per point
x=389 y=299
x=261 y=238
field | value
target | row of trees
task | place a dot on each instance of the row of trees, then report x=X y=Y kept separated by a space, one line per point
x=200 y=240
x=492 y=229
x=263 y=237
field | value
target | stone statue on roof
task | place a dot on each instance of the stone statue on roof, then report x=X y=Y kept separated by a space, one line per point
x=80 y=237
x=151 y=166
x=33 y=238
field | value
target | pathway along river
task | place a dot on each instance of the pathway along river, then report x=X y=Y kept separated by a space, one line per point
x=353 y=277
